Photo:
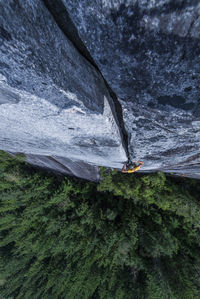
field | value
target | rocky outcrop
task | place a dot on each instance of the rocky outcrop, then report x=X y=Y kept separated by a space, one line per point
x=149 y=53
x=53 y=102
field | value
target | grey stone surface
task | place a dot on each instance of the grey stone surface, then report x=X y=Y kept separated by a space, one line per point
x=149 y=53
x=65 y=166
x=53 y=102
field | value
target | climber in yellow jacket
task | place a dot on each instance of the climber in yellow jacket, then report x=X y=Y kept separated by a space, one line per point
x=131 y=167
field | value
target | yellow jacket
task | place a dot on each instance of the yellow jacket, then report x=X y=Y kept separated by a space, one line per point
x=134 y=169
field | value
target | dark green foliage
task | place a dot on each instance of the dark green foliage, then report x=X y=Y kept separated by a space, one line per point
x=128 y=237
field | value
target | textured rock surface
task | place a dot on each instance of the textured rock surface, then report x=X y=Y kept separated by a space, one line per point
x=65 y=166
x=149 y=53
x=53 y=102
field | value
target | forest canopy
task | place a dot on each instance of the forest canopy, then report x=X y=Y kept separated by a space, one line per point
x=129 y=236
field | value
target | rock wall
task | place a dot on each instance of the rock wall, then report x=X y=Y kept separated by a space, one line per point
x=149 y=53
x=65 y=166
x=53 y=102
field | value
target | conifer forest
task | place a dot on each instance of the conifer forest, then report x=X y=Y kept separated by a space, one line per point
x=129 y=236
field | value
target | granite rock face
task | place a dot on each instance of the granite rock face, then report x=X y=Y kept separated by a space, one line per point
x=149 y=53
x=65 y=166
x=55 y=105
x=53 y=102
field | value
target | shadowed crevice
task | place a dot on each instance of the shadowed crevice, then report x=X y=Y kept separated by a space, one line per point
x=62 y=18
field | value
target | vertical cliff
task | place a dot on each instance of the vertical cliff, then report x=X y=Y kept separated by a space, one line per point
x=149 y=53
x=52 y=100
x=76 y=77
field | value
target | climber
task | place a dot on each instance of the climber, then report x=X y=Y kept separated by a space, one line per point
x=133 y=166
